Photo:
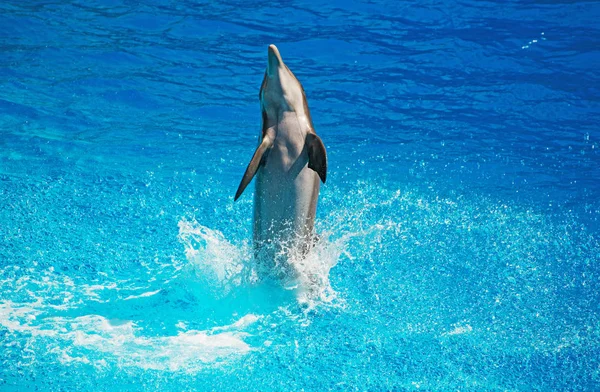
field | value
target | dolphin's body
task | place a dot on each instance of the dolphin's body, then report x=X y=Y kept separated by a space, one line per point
x=289 y=164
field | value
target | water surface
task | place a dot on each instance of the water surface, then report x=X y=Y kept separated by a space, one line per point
x=459 y=220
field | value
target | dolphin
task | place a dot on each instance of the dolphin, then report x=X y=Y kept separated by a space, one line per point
x=289 y=164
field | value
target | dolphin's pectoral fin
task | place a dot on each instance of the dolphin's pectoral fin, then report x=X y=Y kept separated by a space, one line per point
x=317 y=157
x=257 y=160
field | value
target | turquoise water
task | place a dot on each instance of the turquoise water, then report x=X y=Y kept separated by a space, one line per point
x=459 y=221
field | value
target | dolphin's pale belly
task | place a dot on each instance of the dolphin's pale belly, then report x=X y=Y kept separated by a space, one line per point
x=285 y=199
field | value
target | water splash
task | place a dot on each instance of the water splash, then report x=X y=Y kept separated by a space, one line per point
x=225 y=267
x=217 y=263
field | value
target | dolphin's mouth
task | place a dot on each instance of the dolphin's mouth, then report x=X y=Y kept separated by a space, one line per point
x=274 y=61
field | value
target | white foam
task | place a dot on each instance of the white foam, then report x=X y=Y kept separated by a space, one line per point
x=94 y=339
x=143 y=295
x=92 y=290
x=187 y=351
x=244 y=322
x=98 y=341
x=16 y=318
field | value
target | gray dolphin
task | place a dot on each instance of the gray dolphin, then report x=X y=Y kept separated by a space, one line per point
x=288 y=163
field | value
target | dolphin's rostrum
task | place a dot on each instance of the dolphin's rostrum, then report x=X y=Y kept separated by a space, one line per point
x=288 y=163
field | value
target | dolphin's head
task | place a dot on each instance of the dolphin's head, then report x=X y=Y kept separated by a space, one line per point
x=274 y=62
x=280 y=89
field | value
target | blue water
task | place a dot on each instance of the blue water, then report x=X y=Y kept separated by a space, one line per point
x=459 y=222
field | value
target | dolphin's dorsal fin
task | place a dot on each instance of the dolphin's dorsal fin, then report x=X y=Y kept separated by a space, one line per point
x=266 y=143
x=317 y=156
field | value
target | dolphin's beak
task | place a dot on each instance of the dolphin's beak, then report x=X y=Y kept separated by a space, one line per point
x=274 y=61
